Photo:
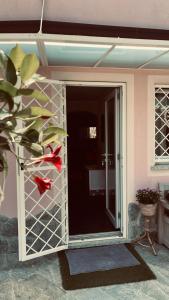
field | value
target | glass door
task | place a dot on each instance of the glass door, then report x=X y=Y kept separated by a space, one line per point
x=112 y=157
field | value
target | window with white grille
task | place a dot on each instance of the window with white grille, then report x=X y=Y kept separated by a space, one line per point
x=162 y=124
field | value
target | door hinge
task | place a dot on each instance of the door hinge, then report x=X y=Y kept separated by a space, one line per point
x=119 y=215
x=118 y=156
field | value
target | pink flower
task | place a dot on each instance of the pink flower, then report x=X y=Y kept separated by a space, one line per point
x=43 y=184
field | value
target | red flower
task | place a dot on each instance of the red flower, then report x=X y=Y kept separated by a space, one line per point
x=54 y=158
x=43 y=184
x=51 y=158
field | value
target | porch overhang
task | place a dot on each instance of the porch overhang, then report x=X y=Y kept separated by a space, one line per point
x=67 y=28
x=86 y=45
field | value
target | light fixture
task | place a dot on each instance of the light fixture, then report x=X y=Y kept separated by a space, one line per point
x=88 y=45
x=130 y=47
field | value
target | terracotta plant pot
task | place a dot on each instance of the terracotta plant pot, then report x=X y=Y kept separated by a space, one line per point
x=148 y=210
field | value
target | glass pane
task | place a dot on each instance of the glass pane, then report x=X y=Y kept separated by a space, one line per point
x=160 y=63
x=129 y=58
x=71 y=55
x=28 y=48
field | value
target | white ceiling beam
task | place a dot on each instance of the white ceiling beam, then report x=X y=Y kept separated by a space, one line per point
x=82 y=39
x=152 y=60
x=98 y=62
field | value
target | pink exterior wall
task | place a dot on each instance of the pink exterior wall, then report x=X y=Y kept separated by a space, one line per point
x=142 y=176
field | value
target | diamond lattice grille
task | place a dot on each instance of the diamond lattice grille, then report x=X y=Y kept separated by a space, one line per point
x=44 y=217
x=162 y=123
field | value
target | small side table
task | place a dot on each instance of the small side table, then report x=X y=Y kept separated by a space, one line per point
x=146 y=235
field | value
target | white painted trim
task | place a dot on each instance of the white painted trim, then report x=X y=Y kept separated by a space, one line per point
x=43 y=253
x=127 y=161
x=119 y=144
x=80 y=39
x=91 y=83
x=88 y=239
x=153 y=80
x=127 y=151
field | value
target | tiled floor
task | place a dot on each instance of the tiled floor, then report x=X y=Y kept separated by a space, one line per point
x=41 y=280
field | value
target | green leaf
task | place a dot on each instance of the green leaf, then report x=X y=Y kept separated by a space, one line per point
x=55 y=130
x=2 y=127
x=41 y=112
x=30 y=136
x=6 y=125
x=8 y=68
x=5 y=115
x=52 y=138
x=33 y=148
x=30 y=125
x=37 y=124
x=17 y=55
x=3 y=60
x=6 y=98
x=51 y=135
x=33 y=94
x=33 y=112
x=29 y=66
x=7 y=87
x=11 y=72
x=3 y=164
x=4 y=145
x=35 y=77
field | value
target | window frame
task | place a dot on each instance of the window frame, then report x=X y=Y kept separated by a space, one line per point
x=154 y=164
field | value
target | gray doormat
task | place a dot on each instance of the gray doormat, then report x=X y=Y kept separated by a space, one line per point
x=100 y=258
x=137 y=271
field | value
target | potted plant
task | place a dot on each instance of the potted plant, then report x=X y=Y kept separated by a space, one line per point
x=148 y=200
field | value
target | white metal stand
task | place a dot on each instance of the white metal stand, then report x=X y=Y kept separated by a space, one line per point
x=146 y=235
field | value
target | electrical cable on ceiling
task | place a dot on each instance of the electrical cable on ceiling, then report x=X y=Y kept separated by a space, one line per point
x=42 y=15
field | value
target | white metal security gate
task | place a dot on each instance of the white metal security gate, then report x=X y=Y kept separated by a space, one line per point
x=43 y=220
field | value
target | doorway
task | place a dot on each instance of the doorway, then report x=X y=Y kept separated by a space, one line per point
x=93 y=122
